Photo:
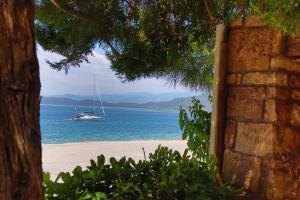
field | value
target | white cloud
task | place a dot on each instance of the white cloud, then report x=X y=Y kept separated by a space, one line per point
x=100 y=57
x=80 y=80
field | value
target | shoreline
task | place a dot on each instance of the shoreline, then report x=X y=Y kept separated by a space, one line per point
x=118 y=107
x=66 y=156
x=112 y=141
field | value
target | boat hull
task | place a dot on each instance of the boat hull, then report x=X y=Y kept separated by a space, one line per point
x=89 y=118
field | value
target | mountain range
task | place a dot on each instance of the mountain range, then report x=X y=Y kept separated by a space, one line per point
x=138 y=97
x=173 y=104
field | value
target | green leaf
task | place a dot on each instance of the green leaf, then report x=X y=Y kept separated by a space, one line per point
x=184 y=135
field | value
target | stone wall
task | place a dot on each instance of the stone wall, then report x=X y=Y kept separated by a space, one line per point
x=262 y=131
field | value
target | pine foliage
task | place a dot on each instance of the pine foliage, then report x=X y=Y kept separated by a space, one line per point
x=150 y=38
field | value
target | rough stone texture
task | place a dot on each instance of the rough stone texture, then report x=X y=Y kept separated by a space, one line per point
x=294 y=81
x=295 y=115
x=262 y=78
x=271 y=92
x=281 y=93
x=245 y=168
x=254 y=138
x=231 y=79
x=253 y=93
x=270 y=114
x=280 y=183
x=246 y=109
x=295 y=95
x=249 y=50
x=283 y=62
x=289 y=142
x=277 y=187
x=279 y=44
x=283 y=109
x=239 y=79
x=253 y=21
x=293 y=46
x=262 y=134
x=230 y=134
x=236 y=23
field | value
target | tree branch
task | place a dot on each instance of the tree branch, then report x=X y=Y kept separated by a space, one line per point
x=225 y=9
x=114 y=50
x=208 y=11
x=59 y=5
x=243 y=8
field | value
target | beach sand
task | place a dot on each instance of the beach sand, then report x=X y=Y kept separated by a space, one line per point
x=65 y=157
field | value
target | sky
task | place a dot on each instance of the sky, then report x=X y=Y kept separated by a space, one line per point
x=80 y=80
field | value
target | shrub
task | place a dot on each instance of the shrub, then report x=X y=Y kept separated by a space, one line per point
x=165 y=175
x=195 y=124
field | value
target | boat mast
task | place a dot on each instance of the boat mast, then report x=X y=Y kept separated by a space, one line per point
x=94 y=93
x=101 y=105
x=99 y=97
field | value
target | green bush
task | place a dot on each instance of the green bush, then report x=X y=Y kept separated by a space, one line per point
x=166 y=174
x=195 y=125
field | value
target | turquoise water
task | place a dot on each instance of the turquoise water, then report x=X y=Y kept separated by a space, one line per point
x=57 y=125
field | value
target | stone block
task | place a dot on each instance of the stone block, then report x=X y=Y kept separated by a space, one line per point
x=283 y=62
x=295 y=115
x=279 y=43
x=270 y=110
x=281 y=186
x=249 y=49
x=293 y=46
x=255 y=138
x=262 y=135
x=236 y=23
x=271 y=92
x=230 y=133
x=283 y=108
x=294 y=81
x=265 y=78
x=245 y=168
x=295 y=94
x=280 y=183
x=254 y=93
x=253 y=21
x=289 y=143
x=239 y=79
x=244 y=109
x=281 y=93
x=231 y=79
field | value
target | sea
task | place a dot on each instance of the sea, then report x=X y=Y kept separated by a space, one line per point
x=120 y=124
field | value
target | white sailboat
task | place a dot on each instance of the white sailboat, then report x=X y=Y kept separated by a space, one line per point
x=92 y=115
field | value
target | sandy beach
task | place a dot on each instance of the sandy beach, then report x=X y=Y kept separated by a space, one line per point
x=64 y=157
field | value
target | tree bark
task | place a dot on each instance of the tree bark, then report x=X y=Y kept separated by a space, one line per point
x=20 y=146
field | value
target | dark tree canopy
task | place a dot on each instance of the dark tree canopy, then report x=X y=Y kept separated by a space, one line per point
x=148 y=38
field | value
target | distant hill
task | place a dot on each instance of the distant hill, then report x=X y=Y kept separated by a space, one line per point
x=139 y=97
x=173 y=104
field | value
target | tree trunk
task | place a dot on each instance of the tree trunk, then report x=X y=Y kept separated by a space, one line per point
x=20 y=146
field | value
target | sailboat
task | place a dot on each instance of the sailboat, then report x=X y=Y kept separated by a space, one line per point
x=91 y=114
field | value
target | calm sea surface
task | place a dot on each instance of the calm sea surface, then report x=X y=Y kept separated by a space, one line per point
x=58 y=126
